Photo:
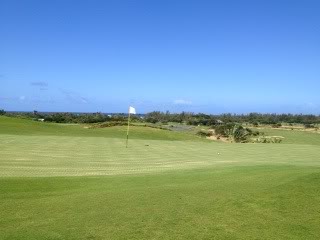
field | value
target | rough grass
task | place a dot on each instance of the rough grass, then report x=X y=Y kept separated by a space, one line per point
x=294 y=136
x=66 y=185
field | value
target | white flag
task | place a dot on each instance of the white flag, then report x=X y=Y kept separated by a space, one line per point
x=132 y=110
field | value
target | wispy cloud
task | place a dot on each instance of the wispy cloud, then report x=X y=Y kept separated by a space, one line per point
x=311 y=105
x=39 y=84
x=13 y=99
x=74 y=97
x=6 y=98
x=83 y=100
x=182 y=102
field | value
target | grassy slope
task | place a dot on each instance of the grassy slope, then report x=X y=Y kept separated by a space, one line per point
x=17 y=126
x=167 y=190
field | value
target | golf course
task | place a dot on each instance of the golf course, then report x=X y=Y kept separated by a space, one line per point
x=68 y=181
x=159 y=120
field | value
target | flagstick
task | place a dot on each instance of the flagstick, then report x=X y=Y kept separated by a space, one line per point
x=128 y=130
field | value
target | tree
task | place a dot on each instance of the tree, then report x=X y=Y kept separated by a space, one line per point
x=2 y=112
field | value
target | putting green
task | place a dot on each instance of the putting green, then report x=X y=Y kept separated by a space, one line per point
x=44 y=156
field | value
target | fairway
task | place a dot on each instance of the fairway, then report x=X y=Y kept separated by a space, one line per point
x=70 y=182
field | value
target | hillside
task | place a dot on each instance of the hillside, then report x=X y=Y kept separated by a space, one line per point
x=18 y=126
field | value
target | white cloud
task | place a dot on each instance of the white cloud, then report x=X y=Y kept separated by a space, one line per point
x=182 y=102
x=22 y=98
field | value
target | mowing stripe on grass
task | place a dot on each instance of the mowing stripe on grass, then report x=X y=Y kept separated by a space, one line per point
x=77 y=156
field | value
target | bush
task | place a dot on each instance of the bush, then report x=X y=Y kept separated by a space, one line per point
x=151 y=120
x=276 y=125
x=256 y=133
x=108 y=124
x=241 y=134
x=203 y=133
x=255 y=124
x=308 y=125
x=235 y=132
x=267 y=139
x=224 y=130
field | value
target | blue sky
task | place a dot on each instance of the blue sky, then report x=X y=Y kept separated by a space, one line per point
x=199 y=56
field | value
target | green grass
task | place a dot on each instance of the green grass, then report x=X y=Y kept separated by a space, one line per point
x=77 y=156
x=18 y=126
x=61 y=182
x=295 y=136
x=265 y=202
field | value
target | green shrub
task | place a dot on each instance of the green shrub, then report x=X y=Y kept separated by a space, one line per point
x=276 y=125
x=109 y=124
x=224 y=130
x=308 y=125
x=267 y=139
x=255 y=124
x=235 y=132
x=2 y=112
x=203 y=133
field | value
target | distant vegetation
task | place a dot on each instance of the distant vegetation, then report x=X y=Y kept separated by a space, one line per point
x=252 y=118
x=66 y=117
x=256 y=119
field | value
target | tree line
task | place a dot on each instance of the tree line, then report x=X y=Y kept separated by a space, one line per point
x=210 y=120
x=166 y=117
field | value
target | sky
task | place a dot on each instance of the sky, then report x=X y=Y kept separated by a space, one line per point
x=178 y=55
